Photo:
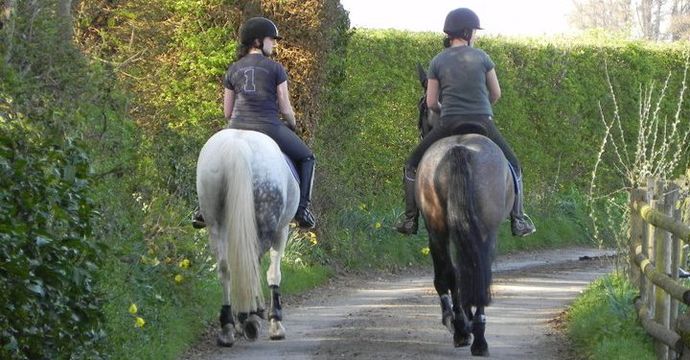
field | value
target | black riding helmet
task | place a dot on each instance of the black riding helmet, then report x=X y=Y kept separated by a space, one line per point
x=459 y=20
x=258 y=28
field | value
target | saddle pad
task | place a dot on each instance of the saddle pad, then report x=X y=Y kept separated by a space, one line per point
x=515 y=179
x=292 y=167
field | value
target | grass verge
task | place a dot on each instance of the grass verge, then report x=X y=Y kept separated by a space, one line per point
x=176 y=313
x=602 y=322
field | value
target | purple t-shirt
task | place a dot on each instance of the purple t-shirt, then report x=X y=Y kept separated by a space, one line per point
x=254 y=78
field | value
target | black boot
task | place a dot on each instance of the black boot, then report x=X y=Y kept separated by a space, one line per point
x=198 y=220
x=520 y=223
x=409 y=223
x=304 y=217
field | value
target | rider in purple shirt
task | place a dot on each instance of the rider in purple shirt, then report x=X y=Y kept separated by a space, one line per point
x=256 y=93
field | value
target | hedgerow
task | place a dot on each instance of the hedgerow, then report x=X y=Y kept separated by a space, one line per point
x=554 y=93
x=49 y=257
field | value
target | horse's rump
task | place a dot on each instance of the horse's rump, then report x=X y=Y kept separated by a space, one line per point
x=464 y=189
x=246 y=195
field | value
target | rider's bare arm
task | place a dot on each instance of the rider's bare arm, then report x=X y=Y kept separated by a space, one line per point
x=493 y=86
x=285 y=105
x=432 y=91
x=228 y=103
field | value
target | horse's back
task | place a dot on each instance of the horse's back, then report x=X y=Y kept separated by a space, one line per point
x=491 y=183
x=262 y=149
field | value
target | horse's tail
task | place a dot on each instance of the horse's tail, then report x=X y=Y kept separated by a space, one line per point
x=241 y=239
x=467 y=234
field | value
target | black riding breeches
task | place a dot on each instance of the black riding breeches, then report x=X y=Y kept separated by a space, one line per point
x=287 y=140
x=463 y=124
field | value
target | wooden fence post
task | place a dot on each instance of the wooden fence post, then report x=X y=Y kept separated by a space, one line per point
x=648 y=251
x=662 y=245
x=674 y=249
x=638 y=234
x=683 y=322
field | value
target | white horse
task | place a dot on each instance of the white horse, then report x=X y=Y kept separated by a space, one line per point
x=247 y=196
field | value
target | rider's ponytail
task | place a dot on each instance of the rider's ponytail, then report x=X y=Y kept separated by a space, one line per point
x=242 y=51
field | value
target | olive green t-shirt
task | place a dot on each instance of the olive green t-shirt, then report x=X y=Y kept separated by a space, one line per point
x=461 y=73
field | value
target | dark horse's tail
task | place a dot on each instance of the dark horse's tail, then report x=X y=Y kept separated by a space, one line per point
x=468 y=237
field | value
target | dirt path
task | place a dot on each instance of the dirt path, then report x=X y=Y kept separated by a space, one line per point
x=398 y=316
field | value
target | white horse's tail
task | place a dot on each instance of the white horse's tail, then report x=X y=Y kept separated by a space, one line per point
x=241 y=238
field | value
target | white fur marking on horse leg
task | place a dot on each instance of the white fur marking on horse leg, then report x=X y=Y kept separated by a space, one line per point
x=276 y=331
x=224 y=277
x=273 y=276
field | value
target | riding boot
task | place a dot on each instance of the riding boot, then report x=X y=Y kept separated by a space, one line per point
x=409 y=223
x=304 y=217
x=520 y=223
x=198 y=220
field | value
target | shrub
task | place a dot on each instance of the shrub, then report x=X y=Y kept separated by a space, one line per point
x=48 y=258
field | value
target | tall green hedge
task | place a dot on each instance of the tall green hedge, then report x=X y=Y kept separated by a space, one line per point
x=549 y=113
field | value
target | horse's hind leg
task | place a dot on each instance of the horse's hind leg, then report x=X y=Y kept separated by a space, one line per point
x=444 y=278
x=462 y=334
x=226 y=336
x=479 y=346
x=276 y=331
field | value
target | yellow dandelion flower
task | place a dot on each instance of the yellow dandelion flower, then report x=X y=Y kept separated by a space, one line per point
x=184 y=264
x=133 y=309
x=179 y=278
x=425 y=251
x=377 y=225
x=139 y=322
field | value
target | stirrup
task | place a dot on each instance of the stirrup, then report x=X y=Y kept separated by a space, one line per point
x=407 y=226
x=522 y=226
x=198 y=220
x=304 y=217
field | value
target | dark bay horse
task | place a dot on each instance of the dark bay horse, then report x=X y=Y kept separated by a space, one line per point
x=464 y=190
x=247 y=196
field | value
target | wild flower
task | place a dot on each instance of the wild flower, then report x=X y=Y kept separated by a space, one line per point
x=312 y=238
x=133 y=309
x=139 y=322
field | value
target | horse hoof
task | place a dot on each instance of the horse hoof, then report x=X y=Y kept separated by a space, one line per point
x=460 y=340
x=276 y=330
x=251 y=327
x=226 y=336
x=480 y=352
